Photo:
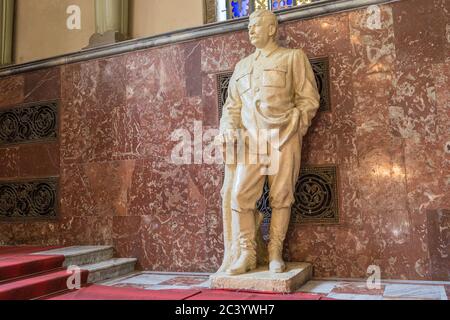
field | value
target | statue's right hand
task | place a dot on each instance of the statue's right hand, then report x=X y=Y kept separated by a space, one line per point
x=234 y=118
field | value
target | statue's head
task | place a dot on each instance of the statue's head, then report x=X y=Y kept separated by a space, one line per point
x=262 y=28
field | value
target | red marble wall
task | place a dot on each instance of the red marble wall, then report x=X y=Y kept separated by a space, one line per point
x=387 y=133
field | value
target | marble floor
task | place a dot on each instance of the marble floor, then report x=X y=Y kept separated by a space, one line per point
x=341 y=289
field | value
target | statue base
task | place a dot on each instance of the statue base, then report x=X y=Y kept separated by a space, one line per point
x=261 y=279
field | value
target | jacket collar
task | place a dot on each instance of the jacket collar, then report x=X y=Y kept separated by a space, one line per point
x=267 y=51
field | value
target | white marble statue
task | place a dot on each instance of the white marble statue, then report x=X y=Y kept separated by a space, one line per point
x=272 y=90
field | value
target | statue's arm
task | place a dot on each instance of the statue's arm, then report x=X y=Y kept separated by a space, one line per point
x=231 y=114
x=307 y=98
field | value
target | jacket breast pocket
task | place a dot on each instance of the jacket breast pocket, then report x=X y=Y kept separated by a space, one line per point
x=244 y=82
x=275 y=77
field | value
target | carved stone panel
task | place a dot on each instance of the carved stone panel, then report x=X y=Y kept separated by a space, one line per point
x=29 y=200
x=29 y=123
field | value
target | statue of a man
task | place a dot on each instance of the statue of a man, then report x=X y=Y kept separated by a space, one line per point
x=272 y=90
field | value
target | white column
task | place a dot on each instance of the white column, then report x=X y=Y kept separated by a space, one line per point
x=111 y=22
x=6 y=31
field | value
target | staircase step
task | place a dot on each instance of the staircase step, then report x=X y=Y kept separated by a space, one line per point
x=19 y=266
x=110 y=269
x=81 y=255
x=37 y=286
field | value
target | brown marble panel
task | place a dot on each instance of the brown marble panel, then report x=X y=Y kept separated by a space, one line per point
x=158 y=187
x=86 y=231
x=9 y=158
x=222 y=53
x=110 y=97
x=319 y=144
x=206 y=183
x=110 y=183
x=343 y=107
x=38 y=160
x=438 y=226
x=419 y=29
x=317 y=37
x=79 y=95
x=413 y=106
x=173 y=241
x=350 y=202
x=42 y=85
x=157 y=121
x=210 y=101
x=35 y=233
x=442 y=82
x=6 y=234
x=193 y=68
x=96 y=189
x=156 y=75
x=127 y=237
x=11 y=91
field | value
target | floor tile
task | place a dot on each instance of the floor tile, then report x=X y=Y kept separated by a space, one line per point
x=415 y=292
x=357 y=288
x=318 y=286
x=184 y=281
x=147 y=279
x=348 y=296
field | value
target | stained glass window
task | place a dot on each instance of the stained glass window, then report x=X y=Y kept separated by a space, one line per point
x=282 y=4
x=241 y=8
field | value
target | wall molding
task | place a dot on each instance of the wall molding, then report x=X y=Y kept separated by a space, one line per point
x=298 y=13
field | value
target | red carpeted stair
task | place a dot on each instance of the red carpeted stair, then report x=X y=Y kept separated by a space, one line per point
x=19 y=266
x=37 y=286
x=26 y=276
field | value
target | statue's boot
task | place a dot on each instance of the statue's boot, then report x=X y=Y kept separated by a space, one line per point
x=278 y=229
x=247 y=243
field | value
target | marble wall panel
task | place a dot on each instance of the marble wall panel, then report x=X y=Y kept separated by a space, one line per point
x=12 y=91
x=42 y=85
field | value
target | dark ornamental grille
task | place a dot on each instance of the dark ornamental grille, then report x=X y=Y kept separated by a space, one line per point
x=30 y=123
x=29 y=200
x=223 y=81
x=321 y=71
x=316 y=198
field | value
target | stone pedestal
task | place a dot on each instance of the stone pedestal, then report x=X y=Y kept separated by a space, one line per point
x=262 y=279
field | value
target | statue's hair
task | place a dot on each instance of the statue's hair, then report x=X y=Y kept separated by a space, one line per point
x=267 y=14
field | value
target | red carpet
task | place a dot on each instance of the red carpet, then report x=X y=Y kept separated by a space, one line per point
x=24 y=265
x=96 y=292
x=15 y=251
x=37 y=286
x=24 y=276
x=231 y=295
